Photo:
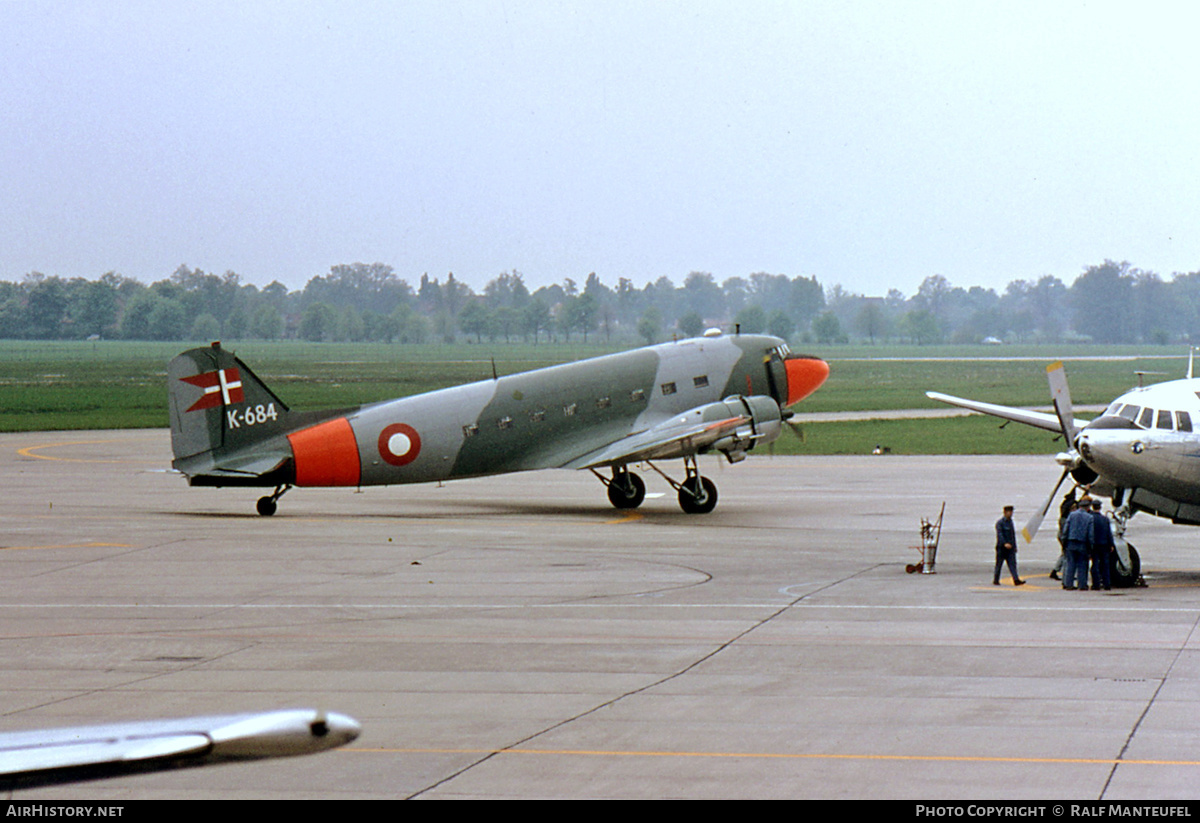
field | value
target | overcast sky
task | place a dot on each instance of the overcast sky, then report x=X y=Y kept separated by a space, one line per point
x=868 y=144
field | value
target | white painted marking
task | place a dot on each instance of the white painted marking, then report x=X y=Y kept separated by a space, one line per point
x=399 y=444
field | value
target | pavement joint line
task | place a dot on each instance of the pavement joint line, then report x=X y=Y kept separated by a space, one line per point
x=940 y=758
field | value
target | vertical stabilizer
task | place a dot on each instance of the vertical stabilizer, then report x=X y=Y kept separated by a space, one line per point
x=217 y=404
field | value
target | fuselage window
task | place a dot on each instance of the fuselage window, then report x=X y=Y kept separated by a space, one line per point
x=1130 y=411
x=537 y=415
x=1183 y=421
x=668 y=388
x=504 y=423
x=1164 y=420
x=700 y=382
x=1147 y=418
x=637 y=395
x=470 y=430
x=604 y=402
x=569 y=409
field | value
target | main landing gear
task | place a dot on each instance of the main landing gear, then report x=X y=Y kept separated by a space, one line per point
x=626 y=490
x=266 y=505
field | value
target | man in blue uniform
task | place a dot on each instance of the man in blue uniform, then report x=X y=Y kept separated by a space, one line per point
x=1006 y=548
x=1102 y=549
x=1081 y=530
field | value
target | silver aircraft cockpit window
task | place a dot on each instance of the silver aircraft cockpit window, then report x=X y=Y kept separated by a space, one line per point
x=1183 y=421
x=1146 y=420
x=1164 y=420
x=1129 y=411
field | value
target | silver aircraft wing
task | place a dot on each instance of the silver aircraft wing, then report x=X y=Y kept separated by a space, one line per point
x=1041 y=420
x=66 y=755
x=678 y=437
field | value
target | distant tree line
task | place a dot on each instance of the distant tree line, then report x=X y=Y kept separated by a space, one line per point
x=1107 y=303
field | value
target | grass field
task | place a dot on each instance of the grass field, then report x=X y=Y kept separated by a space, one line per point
x=48 y=385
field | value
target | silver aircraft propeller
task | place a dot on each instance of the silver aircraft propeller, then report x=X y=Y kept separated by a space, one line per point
x=1061 y=395
x=1035 y=522
x=1070 y=460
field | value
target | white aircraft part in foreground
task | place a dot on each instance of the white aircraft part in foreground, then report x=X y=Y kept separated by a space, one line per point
x=67 y=755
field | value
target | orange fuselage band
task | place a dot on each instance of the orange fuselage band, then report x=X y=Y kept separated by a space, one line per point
x=326 y=454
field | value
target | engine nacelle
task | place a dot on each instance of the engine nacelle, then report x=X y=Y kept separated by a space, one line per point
x=764 y=424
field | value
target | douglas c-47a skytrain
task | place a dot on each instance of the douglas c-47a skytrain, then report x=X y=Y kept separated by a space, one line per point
x=717 y=393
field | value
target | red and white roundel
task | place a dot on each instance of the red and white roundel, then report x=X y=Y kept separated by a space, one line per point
x=399 y=444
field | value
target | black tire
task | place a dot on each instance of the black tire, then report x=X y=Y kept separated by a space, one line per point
x=697 y=495
x=1125 y=578
x=266 y=506
x=626 y=491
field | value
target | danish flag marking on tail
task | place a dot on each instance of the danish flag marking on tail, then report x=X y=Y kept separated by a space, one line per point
x=221 y=387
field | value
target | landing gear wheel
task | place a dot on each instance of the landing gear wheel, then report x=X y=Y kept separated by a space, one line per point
x=697 y=495
x=1124 y=578
x=266 y=506
x=626 y=490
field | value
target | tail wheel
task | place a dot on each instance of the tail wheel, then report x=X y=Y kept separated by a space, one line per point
x=266 y=506
x=626 y=490
x=697 y=495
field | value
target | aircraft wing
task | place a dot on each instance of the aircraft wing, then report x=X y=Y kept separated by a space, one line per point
x=678 y=437
x=1041 y=420
x=67 y=755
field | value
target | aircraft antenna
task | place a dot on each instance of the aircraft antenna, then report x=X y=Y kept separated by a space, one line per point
x=494 y=375
x=1191 y=356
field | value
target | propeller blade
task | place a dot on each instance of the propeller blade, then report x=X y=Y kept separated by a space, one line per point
x=1061 y=396
x=1035 y=522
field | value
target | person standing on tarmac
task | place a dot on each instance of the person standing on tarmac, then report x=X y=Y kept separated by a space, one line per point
x=1102 y=549
x=1080 y=535
x=1006 y=548
x=1064 y=511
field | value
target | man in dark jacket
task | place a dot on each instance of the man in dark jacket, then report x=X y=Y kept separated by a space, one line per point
x=1102 y=549
x=1081 y=529
x=1006 y=548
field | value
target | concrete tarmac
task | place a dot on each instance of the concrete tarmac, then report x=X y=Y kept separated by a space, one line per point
x=517 y=637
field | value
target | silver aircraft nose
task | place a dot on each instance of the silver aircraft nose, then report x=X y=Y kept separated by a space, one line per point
x=1127 y=456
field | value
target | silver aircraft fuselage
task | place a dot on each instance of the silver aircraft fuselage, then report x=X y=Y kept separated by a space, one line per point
x=1146 y=443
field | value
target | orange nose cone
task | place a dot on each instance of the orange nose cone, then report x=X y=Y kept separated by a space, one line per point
x=804 y=376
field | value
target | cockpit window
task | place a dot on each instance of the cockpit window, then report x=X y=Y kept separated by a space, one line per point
x=1147 y=418
x=1112 y=410
x=1129 y=411
x=1183 y=421
x=1164 y=420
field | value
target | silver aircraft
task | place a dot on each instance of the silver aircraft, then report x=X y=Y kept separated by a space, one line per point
x=1143 y=451
x=720 y=394
x=45 y=757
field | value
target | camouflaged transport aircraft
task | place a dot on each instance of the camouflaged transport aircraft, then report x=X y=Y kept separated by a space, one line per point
x=717 y=393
